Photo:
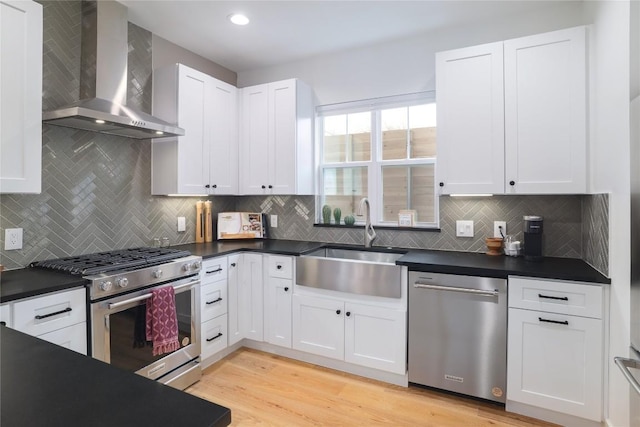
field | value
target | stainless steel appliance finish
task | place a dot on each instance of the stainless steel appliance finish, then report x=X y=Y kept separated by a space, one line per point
x=458 y=334
x=120 y=284
x=103 y=82
x=357 y=272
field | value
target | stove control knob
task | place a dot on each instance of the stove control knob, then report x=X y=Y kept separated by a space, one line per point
x=196 y=265
x=122 y=282
x=105 y=286
x=186 y=267
x=157 y=274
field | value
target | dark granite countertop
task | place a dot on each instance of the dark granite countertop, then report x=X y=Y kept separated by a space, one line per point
x=478 y=264
x=43 y=384
x=29 y=282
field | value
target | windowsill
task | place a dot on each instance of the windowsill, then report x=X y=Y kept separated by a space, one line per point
x=380 y=227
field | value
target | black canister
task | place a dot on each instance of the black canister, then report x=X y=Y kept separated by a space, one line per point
x=533 y=238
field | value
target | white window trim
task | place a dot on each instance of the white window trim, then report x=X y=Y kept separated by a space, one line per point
x=376 y=163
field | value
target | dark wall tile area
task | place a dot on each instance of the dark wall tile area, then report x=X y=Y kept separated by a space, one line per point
x=96 y=188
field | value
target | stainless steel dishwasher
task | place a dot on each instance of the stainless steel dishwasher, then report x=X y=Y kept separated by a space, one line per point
x=458 y=334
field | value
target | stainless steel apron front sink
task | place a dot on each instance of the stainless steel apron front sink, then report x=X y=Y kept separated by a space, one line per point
x=354 y=271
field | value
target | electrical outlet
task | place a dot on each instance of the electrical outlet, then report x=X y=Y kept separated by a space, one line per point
x=182 y=225
x=12 y=239
x=274 y=221
x=464 y=228
x=496 y=228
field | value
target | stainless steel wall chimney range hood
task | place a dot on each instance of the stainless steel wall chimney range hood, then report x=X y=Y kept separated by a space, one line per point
x=103 y=80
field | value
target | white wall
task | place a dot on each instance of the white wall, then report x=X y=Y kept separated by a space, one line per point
x=610 y=172
x=407 y=65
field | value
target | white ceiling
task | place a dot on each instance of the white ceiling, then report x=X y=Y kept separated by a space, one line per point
x=285 y=31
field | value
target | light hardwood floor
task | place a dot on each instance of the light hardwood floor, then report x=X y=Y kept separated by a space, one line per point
x=268 y=390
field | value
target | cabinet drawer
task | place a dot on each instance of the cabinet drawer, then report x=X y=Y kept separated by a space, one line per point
x=554 y=296
x=213 y=270
x=37 y=316
x=214 y=336
x=280 y=266
x=213 y=300
x=73 y=337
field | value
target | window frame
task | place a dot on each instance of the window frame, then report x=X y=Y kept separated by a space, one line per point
x=376 y=164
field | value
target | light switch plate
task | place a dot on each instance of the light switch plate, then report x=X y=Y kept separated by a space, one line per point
x=464 y=228
x=182 y=226
x=274 y=221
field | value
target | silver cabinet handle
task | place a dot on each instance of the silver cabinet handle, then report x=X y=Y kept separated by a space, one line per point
x=422 y=285
x=624 y=365
x=148 y=295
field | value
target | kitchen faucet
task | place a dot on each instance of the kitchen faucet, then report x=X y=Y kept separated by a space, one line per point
x=369 y=232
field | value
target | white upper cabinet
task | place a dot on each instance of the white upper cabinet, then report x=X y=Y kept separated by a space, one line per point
x=545 y=112
x=276 y=138
x=512 y=116
x=470 y=110
x=21 y=101
x=205 y=159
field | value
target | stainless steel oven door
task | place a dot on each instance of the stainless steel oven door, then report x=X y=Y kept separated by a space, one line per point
x=118 y=326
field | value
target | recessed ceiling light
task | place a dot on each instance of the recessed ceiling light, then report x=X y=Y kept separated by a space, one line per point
x=159 y=132
x=238 y=19
x=100 y=122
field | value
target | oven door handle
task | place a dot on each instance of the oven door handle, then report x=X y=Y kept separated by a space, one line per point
x=147 y=296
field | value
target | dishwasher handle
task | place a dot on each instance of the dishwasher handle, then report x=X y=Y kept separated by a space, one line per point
x=422 y=285
x=624 y=365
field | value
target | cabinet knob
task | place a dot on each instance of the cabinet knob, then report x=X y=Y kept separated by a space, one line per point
x=338 y=311
x=512 y=183
x=264 y=186
x=286 y=289
x=233 y=264
x=441 y=184
x=207 y=186
x=270 y=186
x=279 y=267
x=215 y=186
x=348 y=313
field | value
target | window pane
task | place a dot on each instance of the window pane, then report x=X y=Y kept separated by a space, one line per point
x=347 y=138
x=344 y=187
x=408 y=187
x=422 y=122
x=394 y=124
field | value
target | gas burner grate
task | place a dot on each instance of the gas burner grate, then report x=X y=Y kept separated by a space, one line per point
x=103 y=262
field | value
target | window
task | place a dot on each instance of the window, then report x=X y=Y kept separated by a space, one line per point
x=384 y=150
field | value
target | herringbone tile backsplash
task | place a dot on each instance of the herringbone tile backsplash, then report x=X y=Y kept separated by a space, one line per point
x=96 y=188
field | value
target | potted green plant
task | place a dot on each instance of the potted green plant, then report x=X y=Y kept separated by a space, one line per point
x=337 y=213
x=326 y=214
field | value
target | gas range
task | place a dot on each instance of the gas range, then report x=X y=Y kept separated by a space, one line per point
x=120 y=271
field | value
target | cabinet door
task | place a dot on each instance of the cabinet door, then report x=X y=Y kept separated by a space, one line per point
x=376 y=337
x=278 y=311
x=318 y=326
x=251 y=297
x=21 y=101
x=470 y=99
x=545 y=112
x=223 y=158
x=213 y=336
x=555 y=366
x=73 y=337
x=5 y=315
x=194 y=115
x=282 y=137
x=254 y=140
x=234 y=308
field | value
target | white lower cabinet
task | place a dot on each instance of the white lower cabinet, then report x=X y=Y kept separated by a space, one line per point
x=57 y=317
x=555 y=359
x=365 y=335
x=251 y=297
x=234 y=306
x=213 y=306
x=278 y=299
x=5 y=314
